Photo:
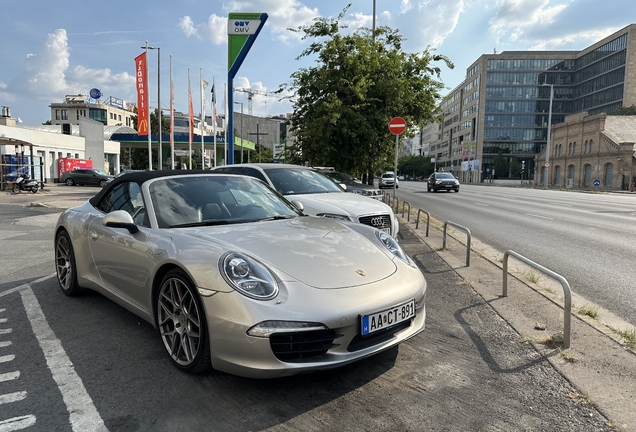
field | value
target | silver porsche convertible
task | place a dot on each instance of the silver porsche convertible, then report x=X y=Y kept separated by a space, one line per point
x=235 y=277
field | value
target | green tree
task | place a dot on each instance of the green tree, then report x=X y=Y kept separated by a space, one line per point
x=515 y=168
x=500 y=165
x=343 y=104
x=625 y=110
x=415 y=166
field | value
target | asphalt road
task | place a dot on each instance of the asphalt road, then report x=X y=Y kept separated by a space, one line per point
x=87 y=364
x=586 y=237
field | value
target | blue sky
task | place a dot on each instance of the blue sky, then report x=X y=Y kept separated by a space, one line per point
x=50 y=49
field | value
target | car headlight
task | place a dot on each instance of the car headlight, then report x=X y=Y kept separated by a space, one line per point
x=267 y=328
x=334 y=216
x=248 y=276
x=392 y=245
x=438 y=181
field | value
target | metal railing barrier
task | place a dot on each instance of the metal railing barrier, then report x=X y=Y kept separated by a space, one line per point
x=468 y=238
x=567 y=293
x=397 y=205
x=408 y=215
x=428 y=220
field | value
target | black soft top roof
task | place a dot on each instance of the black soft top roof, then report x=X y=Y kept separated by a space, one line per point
x=141 y=177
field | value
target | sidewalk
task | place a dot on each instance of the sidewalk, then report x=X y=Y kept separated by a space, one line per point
x=597 y=363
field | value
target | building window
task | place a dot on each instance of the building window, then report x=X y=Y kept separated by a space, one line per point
x=557 y=175
x=76 y=155
x=569 y=149
x=64 y=114
x=57 y=114
x=571 y=175
x=587 y=177
x=591 y=146
x=609 y=173
x=574 y=148
x=585 y=150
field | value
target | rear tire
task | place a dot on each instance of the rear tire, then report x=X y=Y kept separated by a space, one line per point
x=35 y=189
x=69 y=182
x=102 y=183
x=16 y=189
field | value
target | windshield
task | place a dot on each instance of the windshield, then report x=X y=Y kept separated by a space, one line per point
x=215 y=200
x=101 y=173
x=340 y=177
x=444 y=176
x=387 y=175
x=294 y=181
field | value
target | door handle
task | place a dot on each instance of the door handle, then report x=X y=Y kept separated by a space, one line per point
x=93 y=235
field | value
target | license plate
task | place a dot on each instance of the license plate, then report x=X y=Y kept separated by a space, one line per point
x=449 y=185
x=389 y=317
x=386 y=230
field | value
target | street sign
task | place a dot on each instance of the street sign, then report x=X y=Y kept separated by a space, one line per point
x=597 y=182
x=397 y=125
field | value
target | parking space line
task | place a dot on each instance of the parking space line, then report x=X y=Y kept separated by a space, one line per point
x=12 y=397
x=17 y=423
x=5 y=331
x=5 y=344
x=9 y=376
x=83 y=415
x=7 y=358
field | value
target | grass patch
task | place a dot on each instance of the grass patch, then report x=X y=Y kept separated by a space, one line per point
x=568 y=356
x=591 y=311
x=552 y=342
x=581 y=398
x=532 y=276
x=629 y=336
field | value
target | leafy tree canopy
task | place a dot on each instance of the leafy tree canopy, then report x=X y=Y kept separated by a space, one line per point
x=625 y=110
x=416 y=166
x=343 y=104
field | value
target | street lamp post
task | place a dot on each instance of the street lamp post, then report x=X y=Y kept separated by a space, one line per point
x=547 y=145
x=158 y=103
x=242 y=146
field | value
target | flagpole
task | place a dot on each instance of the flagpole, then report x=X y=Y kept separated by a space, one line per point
x=171 y=116
x=147 y=90
x=225 y=155
x=213 y=108
x=202 y=120
x=189 y=122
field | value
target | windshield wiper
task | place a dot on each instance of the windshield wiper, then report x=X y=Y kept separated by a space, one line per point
x=203 y=223
x=276 y=218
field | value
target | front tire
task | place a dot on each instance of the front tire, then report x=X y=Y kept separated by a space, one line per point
x=35 y=189
x=102 y=183
x=16 y=188
x=69 y=182
x=182 y=324
x=65 y=264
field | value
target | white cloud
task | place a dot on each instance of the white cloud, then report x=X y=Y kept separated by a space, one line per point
x=47 y=75
x=515 y=18
x=581 y=39
x=214 y=30
x=2 y=85
x=434 y=20
x=281 y=15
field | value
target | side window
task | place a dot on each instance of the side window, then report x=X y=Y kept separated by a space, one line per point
x=126 y=196
x=252 y=172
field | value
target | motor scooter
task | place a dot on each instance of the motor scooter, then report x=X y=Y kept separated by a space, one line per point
x=26 y=184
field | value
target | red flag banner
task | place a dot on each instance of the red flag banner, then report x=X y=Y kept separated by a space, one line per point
x=141 y=82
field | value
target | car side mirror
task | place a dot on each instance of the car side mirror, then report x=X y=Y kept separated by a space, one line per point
x=298 y=205
x=120 y=219
x=344 y=186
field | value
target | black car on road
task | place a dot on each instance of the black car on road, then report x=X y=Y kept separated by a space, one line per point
x=90 y=177
x=442 y=181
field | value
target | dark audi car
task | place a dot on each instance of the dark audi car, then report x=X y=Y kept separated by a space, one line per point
x=442 y=181
x=91 y=177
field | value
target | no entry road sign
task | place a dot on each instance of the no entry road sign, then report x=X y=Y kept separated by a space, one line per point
x=397 y=125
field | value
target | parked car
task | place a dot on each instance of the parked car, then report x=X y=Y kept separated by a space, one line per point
x=442 y=181
x=388 y=179
x=90 y=177
x=350 y=184
x=234 y=277
x=318 y=195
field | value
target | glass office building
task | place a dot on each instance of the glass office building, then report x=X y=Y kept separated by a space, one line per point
x=502 y=107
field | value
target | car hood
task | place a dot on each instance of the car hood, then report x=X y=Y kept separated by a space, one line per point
x=318 y=252
x=350 y=204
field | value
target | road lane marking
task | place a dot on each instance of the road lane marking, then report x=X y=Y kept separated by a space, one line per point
x=5 y=331
x=9 y=376
x=481 y=204
x=5 y=344
x=7 y=358
x=3 y=320
x=83 y=415
x=12 y=397
x=17 y=423
x=542 y=217
x=23 y=286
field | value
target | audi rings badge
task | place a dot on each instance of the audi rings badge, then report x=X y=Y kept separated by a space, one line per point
x=377 y=222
